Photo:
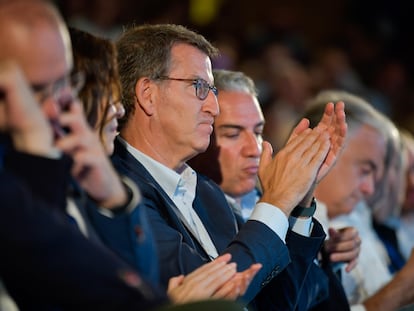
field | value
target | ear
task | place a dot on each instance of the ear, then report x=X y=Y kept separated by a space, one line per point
x=145 y=91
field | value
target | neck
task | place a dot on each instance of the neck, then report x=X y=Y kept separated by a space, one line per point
x=152 y=147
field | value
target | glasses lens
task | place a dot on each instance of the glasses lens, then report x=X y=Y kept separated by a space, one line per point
x=67 y=89
x=202 y=89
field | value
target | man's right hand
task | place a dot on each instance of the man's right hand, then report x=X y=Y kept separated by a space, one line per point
x=287 y=177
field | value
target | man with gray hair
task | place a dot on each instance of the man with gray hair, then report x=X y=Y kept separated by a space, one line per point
x=170 y=102
x=233 y=156
x=344 y=191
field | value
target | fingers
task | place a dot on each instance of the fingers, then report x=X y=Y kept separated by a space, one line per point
x=174 y=282
x=351 y=265
x=309 y=148
x=344 y=234
x=80 y=135
x=300 y=127
x=343 y=245
x=204 y=285
x=230 y=290
x=265 y=157
x=248 y=277
x=20 y=113
x=304 y=153
x=327 y=118
x=238 y=285
x=340 y=118
x=203 y=282
x=211 y=266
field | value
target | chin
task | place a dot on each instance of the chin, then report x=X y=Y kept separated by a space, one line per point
x=109 y=149
x=201 y=147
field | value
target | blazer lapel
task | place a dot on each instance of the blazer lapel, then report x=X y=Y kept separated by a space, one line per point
x=128 y=165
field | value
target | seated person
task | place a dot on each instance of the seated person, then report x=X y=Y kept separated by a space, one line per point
x=232 y=158
x=344 y=191
x=170 y=104
x=96 y=58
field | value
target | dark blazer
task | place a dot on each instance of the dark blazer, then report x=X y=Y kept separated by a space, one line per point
x=130 y=236
x=337 y=299
x=45 y=262
x=180 y=253
x=388 y=236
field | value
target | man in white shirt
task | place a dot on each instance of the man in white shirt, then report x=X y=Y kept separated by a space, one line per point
x=353 y=179
x=170 y=104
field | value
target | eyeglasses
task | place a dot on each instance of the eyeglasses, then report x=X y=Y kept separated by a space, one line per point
x=74 y=81
x=201 y=86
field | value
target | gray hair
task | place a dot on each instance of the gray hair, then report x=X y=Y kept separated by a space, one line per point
x=145 y=51
x=227 y=80
x=359 y=112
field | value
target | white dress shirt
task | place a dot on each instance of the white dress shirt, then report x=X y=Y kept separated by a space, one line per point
x=180 y=188
x=265 y=213
x=371 y=272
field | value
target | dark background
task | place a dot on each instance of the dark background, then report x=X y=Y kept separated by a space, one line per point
x=362 y=46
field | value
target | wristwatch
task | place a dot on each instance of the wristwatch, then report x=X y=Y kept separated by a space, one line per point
x=301 y=211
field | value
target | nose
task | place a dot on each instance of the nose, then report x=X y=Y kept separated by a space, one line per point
x=367 y=185
x=51 y=108
x=120 y=110
x=211 y=105
x=252 y=146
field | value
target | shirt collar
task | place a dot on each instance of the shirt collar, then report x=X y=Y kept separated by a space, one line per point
x=167 y=178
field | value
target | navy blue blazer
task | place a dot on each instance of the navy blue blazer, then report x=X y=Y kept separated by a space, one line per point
x=45 y=262
x=180 y=253
x=129 y=235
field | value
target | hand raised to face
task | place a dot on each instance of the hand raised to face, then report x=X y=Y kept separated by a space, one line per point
x=20 y=114
x=91 y=167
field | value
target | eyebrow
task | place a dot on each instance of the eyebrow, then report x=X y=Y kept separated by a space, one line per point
x=239 y=127
x=38 y=87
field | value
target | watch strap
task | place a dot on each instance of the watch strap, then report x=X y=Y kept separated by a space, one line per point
x=301 y=211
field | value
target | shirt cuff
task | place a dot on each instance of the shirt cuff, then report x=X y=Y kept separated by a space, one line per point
x=134 y=198
x=358 y=308
x=302 y=226
x=272 y=217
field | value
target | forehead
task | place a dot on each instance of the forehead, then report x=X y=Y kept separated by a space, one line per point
x=367 y=145
x=43 y=51
x=238 y=108
x=190 y=62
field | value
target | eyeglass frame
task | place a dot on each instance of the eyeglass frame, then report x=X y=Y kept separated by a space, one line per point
x=197 y=83
x=53 y=89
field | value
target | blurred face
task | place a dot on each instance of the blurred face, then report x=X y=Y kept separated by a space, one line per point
x=185 y=121
x=408 y=204
x=356 y=171
x=390 y=190
x=238 y=132
x=45 y=56
x=109 y=128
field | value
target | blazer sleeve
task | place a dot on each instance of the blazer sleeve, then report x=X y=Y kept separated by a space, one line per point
x=45 y=260
x=180 y=254
x=303 y=284
x=129 y=235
